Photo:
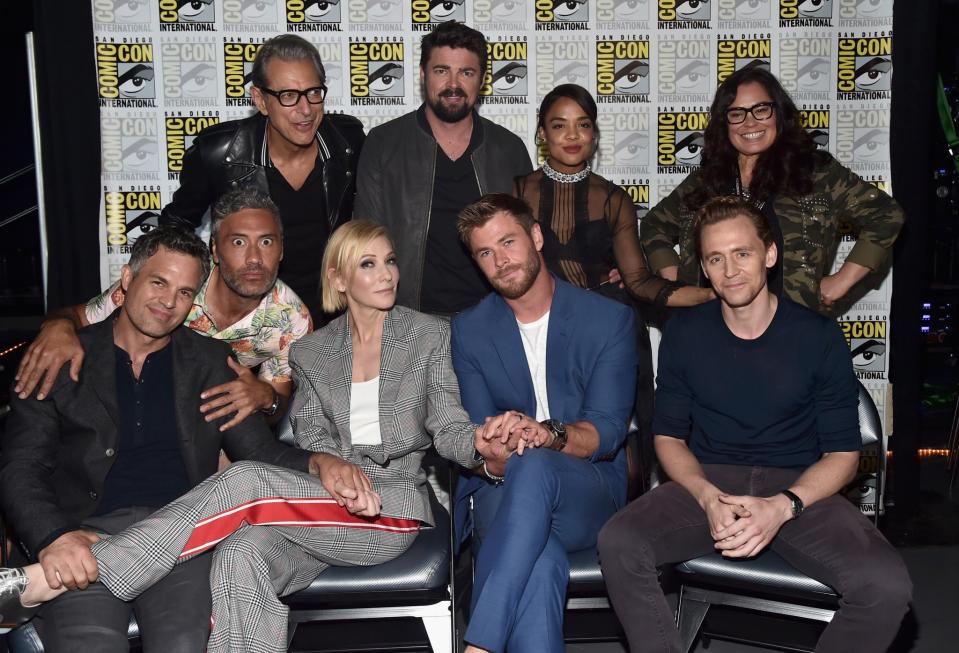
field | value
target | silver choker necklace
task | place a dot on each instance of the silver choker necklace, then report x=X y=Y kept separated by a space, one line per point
x=562 y=177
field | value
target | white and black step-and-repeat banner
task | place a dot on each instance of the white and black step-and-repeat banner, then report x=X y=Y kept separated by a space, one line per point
x=168 y=68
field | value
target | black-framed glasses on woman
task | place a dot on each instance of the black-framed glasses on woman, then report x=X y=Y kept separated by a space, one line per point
x=289 y=97
x=760 y=111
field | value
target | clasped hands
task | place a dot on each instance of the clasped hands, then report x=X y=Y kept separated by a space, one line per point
x=500 y=436
x=346 y=483
x=742 y=526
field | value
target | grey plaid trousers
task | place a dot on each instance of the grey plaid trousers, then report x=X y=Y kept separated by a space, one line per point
x=274 y=531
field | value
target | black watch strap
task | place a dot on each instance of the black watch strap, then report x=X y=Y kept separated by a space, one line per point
x=798 y=505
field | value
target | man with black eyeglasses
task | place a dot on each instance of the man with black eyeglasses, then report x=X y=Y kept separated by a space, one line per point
x=305 y=161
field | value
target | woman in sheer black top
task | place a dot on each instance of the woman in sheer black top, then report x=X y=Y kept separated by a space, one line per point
x=588 y=222
x=590 y=229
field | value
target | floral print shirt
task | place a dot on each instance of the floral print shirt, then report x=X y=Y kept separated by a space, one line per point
x=263 y=337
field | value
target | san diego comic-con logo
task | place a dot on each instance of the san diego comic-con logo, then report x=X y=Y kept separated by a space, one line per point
x=862 y=138
x=427 y=14
x=804 y=66
x=129 y=215
x=330 y=48
x=121 y=15
x=879 y=182
x=189 y=73
x=125 y=72
x=186 y=15
x=622 y=14
x=313 y=16
x=376 y=71
x=866 y=337
x=501 y=15
x=734 y=54
x=512 y=120
x=128 y=147
x=638 y=191
x=743 y=14
x=376 y=15
x=864 y=13
x=623 y=141
x=683 y=14
x=250 y=15
x=238 y=56
x=805 y=13
x=561 y=61
x=679 y=141
x=180 y=132
x=561 y=14
x=815 y=120
x=864 y=67
x=622 y=70
x=683 y=69
x=506 y=79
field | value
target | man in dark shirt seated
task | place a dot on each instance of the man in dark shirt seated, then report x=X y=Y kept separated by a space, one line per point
x=101 y=453
x=757 y=426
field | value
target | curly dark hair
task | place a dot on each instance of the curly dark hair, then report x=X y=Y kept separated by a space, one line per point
x=786 y=167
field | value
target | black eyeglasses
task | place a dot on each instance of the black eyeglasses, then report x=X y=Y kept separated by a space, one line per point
x=761 y=111
x=290 y=97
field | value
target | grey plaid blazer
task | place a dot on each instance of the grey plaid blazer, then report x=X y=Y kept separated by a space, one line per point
x=419 y=405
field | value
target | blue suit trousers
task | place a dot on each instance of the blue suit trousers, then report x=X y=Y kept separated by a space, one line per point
x=551 y=503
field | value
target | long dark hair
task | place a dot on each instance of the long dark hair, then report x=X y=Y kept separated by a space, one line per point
x=786 y=167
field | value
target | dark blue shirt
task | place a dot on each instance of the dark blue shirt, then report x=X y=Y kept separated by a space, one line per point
x=781 y=400
x=148 y=470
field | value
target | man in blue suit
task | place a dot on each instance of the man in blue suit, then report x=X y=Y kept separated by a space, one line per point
x=562 y=361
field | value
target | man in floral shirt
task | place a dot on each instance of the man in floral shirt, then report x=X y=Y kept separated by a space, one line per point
x=242 y=303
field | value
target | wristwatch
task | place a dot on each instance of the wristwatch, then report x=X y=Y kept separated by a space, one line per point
x=796 y=502
x=558 y=429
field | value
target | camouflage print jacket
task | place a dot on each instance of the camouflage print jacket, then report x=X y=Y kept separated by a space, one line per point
x=809 y=224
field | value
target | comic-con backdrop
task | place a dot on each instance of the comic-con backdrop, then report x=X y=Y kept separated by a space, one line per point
x=168 y=68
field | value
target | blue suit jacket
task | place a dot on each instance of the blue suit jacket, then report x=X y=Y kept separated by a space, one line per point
x=590 y=373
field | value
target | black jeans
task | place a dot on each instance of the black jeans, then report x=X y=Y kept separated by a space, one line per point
x=831 y=542
x=173 y=615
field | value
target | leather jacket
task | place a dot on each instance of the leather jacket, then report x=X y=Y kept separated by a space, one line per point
x=232 y=154
x=395 y=185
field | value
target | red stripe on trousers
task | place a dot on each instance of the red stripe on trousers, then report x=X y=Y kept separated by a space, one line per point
x=304 y=513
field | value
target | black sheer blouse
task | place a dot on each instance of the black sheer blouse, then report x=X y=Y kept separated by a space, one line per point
x=589 y=228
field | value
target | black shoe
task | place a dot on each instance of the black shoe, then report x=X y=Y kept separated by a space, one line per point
x=13 y=582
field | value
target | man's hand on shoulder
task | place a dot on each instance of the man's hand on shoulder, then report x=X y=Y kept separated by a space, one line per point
x=67 y=561
x=751 y=534
x=244 y=396
x=56 y=344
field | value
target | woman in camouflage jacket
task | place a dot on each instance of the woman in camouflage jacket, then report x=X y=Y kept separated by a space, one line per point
x=756 y=147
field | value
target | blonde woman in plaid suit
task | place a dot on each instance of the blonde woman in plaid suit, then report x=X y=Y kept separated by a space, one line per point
x=275 y=530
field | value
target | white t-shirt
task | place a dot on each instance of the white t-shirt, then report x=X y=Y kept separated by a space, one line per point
x=365 y=413
x=533 y=335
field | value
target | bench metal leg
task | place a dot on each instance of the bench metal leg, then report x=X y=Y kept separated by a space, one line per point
x=439 y=630
x=689 y=617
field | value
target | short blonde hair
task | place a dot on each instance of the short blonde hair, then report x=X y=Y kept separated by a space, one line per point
x=343 y=253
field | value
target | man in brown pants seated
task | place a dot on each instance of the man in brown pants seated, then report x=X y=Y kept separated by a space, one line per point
x=757 y=426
